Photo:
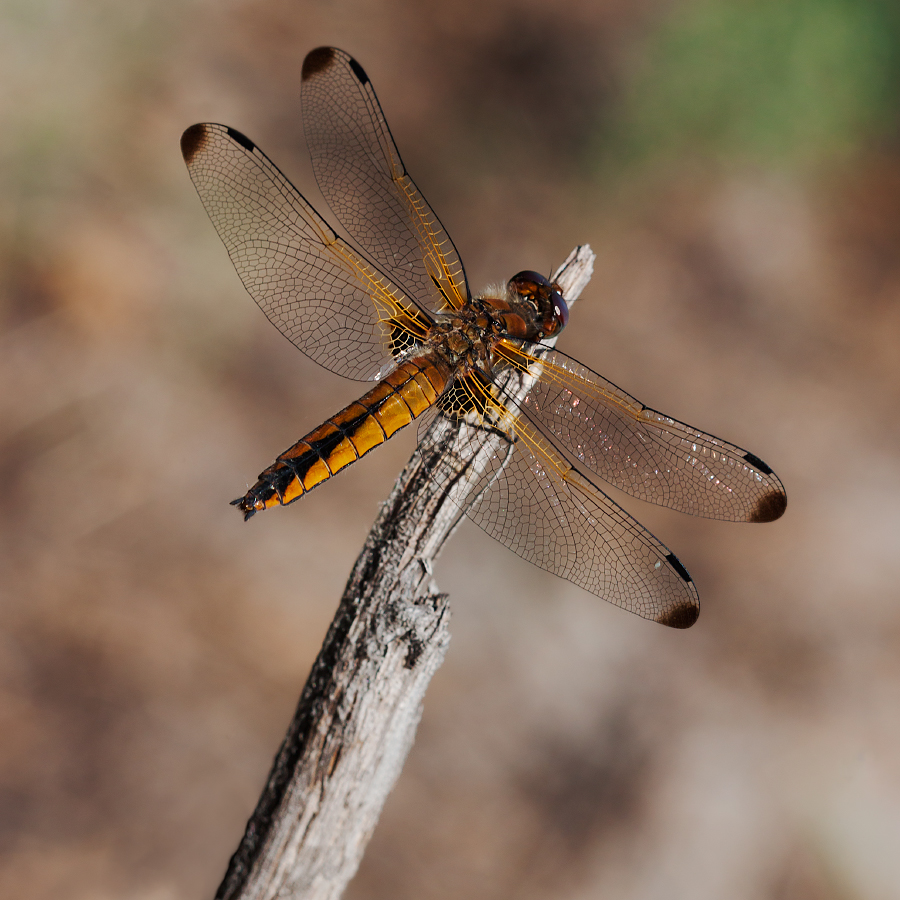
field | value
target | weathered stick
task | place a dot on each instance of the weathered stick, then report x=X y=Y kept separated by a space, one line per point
x=357 y=717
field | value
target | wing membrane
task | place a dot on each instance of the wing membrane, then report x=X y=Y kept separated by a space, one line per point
x=359 y=170
x=512 y=483
x=337 y=308
x=639 y=450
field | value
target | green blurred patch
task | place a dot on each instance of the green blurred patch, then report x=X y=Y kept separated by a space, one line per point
x=793 y=82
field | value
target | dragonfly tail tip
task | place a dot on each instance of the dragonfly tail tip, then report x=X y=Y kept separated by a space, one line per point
x=243 y=507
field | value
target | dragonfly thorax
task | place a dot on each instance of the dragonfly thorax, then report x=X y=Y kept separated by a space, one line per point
x=466 y=337
x=530 y=308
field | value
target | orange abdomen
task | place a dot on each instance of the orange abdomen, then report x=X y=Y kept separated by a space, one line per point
x=393 y=403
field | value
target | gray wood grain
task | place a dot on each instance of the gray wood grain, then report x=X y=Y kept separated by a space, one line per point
x=357 y=716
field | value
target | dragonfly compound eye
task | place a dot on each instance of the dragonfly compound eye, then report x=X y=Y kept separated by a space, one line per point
x=560 y=310
x=552 y=309
x=529 y=284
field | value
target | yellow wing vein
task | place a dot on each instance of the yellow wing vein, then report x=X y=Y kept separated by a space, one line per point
x=390 y=308
x=502 y=418
x=432 y=254
x=562 y=377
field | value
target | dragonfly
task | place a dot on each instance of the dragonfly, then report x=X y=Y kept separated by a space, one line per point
x=475 y=371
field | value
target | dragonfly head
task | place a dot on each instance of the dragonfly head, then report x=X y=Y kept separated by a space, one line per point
x=546 y=297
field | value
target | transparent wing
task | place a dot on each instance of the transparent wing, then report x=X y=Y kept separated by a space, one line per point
x=512 y=483
x=338 y=309
x=639 y=450
x=359 y=170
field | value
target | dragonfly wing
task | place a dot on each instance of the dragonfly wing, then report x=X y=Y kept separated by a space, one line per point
x=639 y=450
x=337 y=308
x=359 y=170
x=511 y=482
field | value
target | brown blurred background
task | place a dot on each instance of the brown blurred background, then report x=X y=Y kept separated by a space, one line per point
x=736 y=166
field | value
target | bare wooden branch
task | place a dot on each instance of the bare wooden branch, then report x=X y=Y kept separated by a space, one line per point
x=357 y=717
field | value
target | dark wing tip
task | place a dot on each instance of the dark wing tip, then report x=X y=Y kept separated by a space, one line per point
x=685 y=613
x=770 y=507
x=317 y=61
x=191 y=141
x=681 y=616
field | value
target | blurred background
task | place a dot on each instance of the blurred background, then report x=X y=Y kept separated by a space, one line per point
x=736 y=166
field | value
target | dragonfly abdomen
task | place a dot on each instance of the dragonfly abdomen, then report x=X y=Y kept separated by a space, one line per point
x=394 y=402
